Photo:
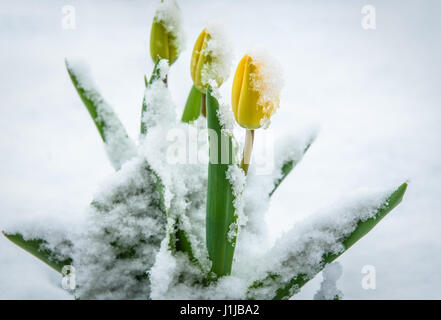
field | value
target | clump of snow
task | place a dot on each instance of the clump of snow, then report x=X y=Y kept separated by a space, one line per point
x=226 y=119
x=119 y=146
x=160 y=107
x=268 y=81
x=218 y=49
x=164 y=68
x=328 y=288
x=169 y=14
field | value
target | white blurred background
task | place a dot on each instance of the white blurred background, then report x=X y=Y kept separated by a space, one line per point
x=374 y=93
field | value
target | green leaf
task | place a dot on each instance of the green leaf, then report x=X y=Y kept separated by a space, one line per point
x=192 y=108
x=220 y=209
x=91 y=98
x=361 y=230
x=156 y=74
x=183 y=244
x=288 y=166
x=36 y=248
x=109 y=126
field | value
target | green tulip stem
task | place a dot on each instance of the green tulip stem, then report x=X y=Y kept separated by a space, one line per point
x=203 y=106
x=247 y=149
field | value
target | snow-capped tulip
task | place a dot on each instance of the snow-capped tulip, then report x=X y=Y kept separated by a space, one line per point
x=210 y=60
x=162 y=43
x=255 y=94
x=166 y=35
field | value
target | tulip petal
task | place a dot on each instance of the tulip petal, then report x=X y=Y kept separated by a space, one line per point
x=238 y=83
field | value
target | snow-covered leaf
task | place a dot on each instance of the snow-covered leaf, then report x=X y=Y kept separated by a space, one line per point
x=119 y=146
x=304 y=251
x=221 y=224
x=288 y=165
x=37 y=248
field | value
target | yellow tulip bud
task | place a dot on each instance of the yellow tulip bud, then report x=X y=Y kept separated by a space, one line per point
x=255 y=93
x=210 y=60
x=162 y=43
x=165 y=35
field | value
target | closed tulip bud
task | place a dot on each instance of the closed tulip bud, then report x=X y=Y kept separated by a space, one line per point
x=161 y=44
x=211 y=58
x=165 y=33
x=256 y=91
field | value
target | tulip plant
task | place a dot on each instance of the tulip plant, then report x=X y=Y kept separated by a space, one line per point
x=163 y=230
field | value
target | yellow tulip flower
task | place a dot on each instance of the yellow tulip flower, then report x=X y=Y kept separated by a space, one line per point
x=207 y=65
x=253 y=100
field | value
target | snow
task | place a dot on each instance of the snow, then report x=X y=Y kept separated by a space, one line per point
x=183 y=182
x=160 y=108
x=225 y=115
x=380 y=124
x=298 y=252
x=328 y=287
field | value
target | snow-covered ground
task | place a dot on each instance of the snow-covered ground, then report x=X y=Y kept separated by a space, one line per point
x=374 y=93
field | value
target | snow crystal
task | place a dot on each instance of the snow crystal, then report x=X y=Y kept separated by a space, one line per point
x=328 y=287
x=219 y=49
x=169 y=14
